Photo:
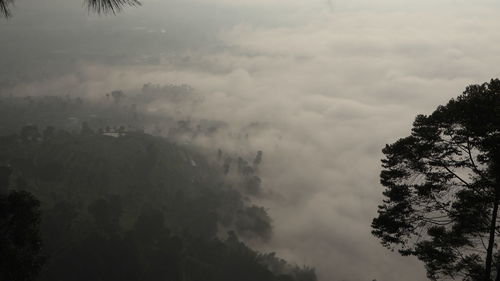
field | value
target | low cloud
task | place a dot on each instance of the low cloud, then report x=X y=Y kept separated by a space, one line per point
x=330 y=94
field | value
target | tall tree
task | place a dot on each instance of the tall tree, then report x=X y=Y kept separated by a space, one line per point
x=20 y=243
x=442 y=188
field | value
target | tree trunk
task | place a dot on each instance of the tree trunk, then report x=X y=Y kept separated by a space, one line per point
x=496 y=171
x=491 y=241
x=498 y=271
x=497 y=278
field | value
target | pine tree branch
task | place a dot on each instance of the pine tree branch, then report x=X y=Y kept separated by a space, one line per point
x=473 y=163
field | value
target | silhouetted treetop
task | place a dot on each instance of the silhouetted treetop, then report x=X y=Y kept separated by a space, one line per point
x=20 y=241
x=443 y=188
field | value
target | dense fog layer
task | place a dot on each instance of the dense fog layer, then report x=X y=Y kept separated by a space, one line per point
x=318 y=86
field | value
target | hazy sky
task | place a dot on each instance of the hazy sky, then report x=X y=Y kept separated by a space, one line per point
x=333 y=81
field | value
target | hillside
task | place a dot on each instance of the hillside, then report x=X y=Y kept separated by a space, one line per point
x=133 y=206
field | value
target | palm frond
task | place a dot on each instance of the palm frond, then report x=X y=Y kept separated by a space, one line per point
x=96 y=6
x=5 y=8
x=108 y=6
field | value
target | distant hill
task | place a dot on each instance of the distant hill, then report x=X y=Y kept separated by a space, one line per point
x=131 y=206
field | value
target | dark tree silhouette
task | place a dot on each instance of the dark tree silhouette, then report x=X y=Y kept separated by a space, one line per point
x=5 y=172
x=443 y=188
x=86 y=130
x=257 y=160
x=97 y=6
x=118 y=95
x=107 y=214
x=20 y=242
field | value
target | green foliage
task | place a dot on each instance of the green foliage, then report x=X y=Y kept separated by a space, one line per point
x=119 y=204
x=443 y=187
x=139 y=169
x=137 y=203
x=150 y=251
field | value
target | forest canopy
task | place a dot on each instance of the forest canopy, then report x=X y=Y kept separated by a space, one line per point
x=111 y=196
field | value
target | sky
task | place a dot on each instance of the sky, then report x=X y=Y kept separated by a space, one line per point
x=329 y=83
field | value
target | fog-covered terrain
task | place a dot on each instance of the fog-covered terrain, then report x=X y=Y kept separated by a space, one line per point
x=203 y=87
